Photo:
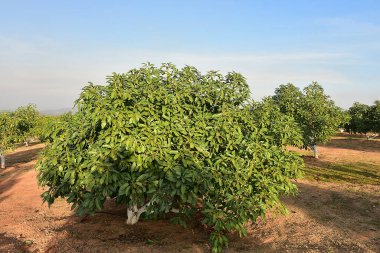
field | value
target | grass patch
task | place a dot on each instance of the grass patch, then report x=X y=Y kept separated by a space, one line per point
x=357 y=173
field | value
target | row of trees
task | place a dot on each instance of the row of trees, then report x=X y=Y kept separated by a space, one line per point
x=165 y=139
x=364 y=118
x=16 y=127
x=21 y=126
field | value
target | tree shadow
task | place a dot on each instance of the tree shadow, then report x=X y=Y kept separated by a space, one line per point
x=10 y=177
x=23 y=156
x=340 y=209
x=11 y=244
x=17 y=165
x=361 y=172
x=354 y=144
x=324 y=218
x=107 y=232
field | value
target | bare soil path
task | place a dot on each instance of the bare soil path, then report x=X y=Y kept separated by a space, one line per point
x=323 y=217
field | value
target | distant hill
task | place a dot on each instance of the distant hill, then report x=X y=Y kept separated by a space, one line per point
x=55 y=111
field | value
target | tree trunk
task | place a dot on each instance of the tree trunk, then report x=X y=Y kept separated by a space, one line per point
x=315 y=151
x=2 y=158
x=134 y=213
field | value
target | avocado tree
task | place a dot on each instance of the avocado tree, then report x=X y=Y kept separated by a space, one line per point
x=374 y=117
x=8 y=135
x=373 y=120
x=359 y=120
x=288 y=98
x=319 y=117
x=47 y=125
x=165 y=139
x=26 y=120
x=15 y=127
x=269 y=112
x=316 y=114
x=364 y=119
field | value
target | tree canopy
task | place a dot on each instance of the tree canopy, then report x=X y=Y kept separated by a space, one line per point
x=288 y=98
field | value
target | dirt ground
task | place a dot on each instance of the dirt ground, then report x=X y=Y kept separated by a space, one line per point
x=323 y=217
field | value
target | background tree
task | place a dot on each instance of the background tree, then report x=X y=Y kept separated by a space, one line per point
x=319 y=117
x=314 y=111
x=158 y=139
x=16 y=127
x=364 y=119
x=26 y=120
x=359 y=118
x=284 y=129
x=288 y=98
x=374 y=117
x=8 y=135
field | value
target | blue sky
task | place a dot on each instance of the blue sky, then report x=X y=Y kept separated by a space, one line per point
x=50 y=49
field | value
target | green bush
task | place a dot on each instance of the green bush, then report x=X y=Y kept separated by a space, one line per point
x=163 y=139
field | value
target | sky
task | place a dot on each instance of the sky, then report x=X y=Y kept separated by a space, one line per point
x=49 y=50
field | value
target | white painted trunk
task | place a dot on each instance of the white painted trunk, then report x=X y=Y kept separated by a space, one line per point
x=373 y=136
x=134 y=213
x=315 y=151
x=2 y=158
